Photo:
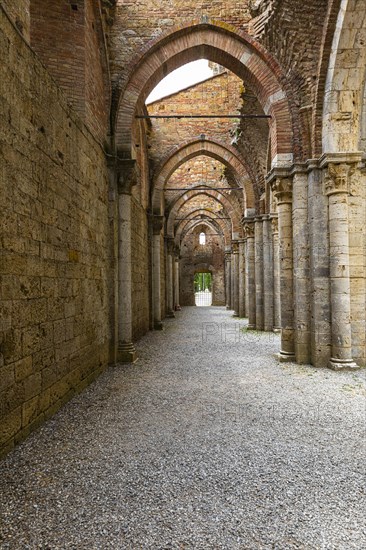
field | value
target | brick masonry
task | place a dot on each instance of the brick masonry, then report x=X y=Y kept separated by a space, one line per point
x=77 y=59
x=197 y=258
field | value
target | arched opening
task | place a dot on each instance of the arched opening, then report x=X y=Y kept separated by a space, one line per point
x=203 y=289
x=222 y=45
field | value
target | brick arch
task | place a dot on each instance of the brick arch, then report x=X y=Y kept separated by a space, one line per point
x=183 y=225
x=220 y=43
x=197 y=147
x=210 y=224
x=345 y=81
x=227 y=205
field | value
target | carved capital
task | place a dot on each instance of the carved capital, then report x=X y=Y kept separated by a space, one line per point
x=157 y=223
x=248 y=230
x=126 y=175
x=170 y=245
x=274 y=221
x=228 y=253
x=337 y=178
x=234 y=247
x=282 y=189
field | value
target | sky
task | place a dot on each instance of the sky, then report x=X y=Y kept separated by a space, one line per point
x=185 y=76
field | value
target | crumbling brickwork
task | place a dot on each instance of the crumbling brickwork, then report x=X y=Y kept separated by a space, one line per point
x=77 y=58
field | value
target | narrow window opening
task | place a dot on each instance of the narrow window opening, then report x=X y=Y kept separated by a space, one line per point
x=203 y=238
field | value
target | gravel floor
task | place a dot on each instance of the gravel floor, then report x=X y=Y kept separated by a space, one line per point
x=206 y=442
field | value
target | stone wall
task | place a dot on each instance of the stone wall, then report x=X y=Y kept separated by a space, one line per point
x=19 y=12
x=55 y=328
x=202 y=258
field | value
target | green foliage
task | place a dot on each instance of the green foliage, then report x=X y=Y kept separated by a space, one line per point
x=202 y=281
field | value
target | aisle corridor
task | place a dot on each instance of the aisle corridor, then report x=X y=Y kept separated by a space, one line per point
x=206 y=442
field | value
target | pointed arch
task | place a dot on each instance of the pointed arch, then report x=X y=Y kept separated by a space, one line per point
x=223 y=44
x=203 y=216
x=219 y=197
x=227 y=155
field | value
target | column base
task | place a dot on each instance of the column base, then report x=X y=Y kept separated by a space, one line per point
x=342 y=364
x=126 y=353
x=235 y=314
x=286 y=357
x=277 y=330
x=228 y=307
x=178 y=308
x=158 y=325
x=251 y=327
x=170 y=314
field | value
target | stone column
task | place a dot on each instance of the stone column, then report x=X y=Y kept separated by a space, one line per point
x=241 y=277
x=268 y=273
x=282 y=188
x=228 y=277
x=300 y=233
x=336 y=184
x=157 y=223
x=169 y=277
x=319 y=291
x=176 y=286
x=258 y=232
x=250 y=263
x=276 y=275
x=126 y=352
x=235 y=279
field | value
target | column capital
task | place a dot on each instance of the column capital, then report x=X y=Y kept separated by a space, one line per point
x=157 y=224
x=170 y=244
x=282 y=189
x=248 y=228
x=235 y=247
x=176 y=252
x=126 y=170
x=338 y=178
x=274 y=220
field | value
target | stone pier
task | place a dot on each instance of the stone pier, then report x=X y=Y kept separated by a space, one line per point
x=169 y=277
x=259 y=279
x=235 y=277
x=282 y=189
x=228 y=277
x=268 y=274
x=241 y=277
x=157 y=226
x=250 y=254
x=337 y=189
x=126 y=352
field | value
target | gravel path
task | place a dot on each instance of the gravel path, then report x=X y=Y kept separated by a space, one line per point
x=207 y=442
